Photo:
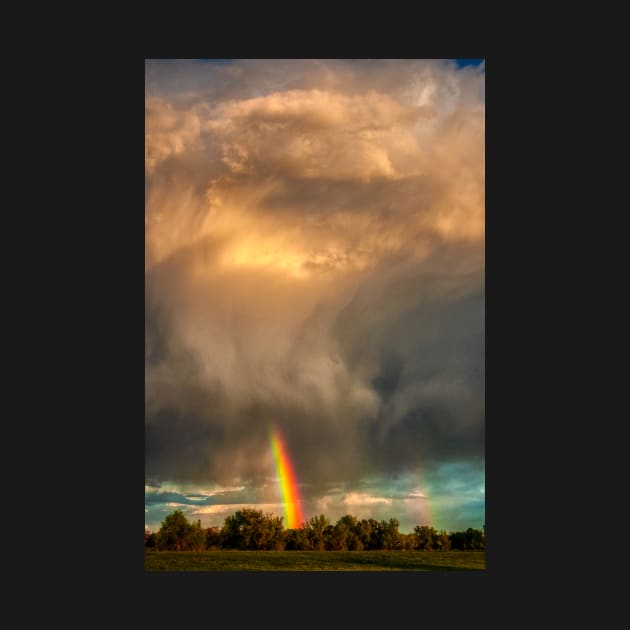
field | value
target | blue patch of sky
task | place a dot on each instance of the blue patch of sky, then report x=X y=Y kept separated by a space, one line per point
x=462 y=63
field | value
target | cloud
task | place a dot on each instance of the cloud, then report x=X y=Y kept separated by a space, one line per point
x=169 y=131
x=357 y=498
x=229 y=508
x=416 y=494
x=314 y=257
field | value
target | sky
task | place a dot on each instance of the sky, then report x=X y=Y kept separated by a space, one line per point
x=314 y=266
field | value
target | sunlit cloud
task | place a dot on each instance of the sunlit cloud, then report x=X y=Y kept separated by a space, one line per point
x=357 y=498
x=230 y=508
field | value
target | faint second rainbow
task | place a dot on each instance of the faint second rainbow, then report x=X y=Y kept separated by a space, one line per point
x=288 y=482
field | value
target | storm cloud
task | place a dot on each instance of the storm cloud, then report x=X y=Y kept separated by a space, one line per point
x=314 y=257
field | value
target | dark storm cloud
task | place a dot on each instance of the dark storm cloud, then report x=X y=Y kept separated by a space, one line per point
x=419 y=340
x=392 y=380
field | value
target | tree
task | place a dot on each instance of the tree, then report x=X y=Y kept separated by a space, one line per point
x=340 y=535
x=408 y=542
x=329 y=536
x=297 y=540
x=213 y=538
x=346 y=534
x=235 y=531
x=196 y=539
x=391 y=534
x=251 y=529
x=425 y=537
x=474 y=539
x=457 y=540
x=173 y=534
x=150 y=539
x=315 y=531
x=443 y=541
x=273 y=533
x=364 y=531
x=376 y=533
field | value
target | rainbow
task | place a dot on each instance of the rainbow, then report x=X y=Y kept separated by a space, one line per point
x=288 y=483
x=421 y=505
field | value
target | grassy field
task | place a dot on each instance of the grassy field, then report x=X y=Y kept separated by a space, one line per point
x=314 y=560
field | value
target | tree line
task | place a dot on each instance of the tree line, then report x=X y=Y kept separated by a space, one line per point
x=250 y=529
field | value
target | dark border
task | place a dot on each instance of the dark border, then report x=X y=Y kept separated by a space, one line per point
x=119 y=309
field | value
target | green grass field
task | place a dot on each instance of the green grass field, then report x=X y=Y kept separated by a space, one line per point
x=314 y=560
